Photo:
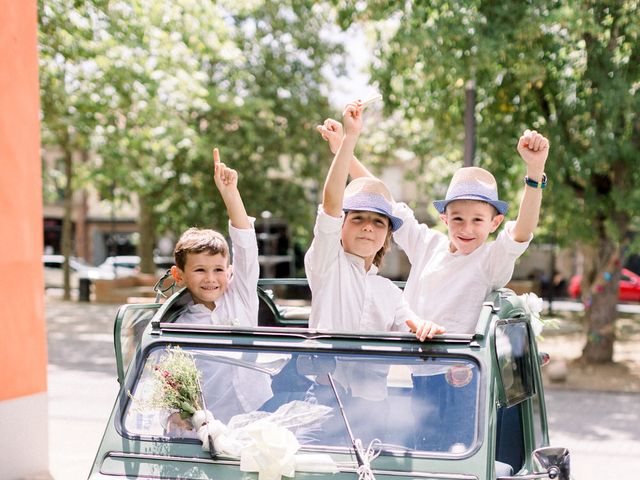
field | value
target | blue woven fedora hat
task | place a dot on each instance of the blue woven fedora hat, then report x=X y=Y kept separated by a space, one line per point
x=473 y=183
x=369 y=194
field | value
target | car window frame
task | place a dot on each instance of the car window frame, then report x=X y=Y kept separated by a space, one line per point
x=278 y=347
x=150 y=310
x=505 y=399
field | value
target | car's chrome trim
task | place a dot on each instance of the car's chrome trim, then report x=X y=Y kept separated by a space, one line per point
x=341 y=466
x=298 y=332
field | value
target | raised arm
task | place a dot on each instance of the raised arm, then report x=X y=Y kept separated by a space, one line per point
x=534 y=149
x=334 y=185
x=331 y=131
x=226 y=180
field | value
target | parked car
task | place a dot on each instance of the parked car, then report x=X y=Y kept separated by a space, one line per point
x=125 y=266
x=53 y=273
x=118 y=266
x=459 y=406
x=628 y=288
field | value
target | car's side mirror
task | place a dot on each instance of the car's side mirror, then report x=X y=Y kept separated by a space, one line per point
x=553 y=460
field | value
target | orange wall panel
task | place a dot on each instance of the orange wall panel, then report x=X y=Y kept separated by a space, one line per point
x=23 y=348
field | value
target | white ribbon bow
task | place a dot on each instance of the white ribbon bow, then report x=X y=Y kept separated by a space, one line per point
x=272 y=452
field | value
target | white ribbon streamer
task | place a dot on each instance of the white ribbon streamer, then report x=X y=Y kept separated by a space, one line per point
x=364 y=471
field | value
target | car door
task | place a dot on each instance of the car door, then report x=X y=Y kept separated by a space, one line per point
x=131 y=321
x=514 y=355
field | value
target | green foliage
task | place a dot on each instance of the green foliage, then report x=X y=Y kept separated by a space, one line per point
x=149 y=87
x=568 y=69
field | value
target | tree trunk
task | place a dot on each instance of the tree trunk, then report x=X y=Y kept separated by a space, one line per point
x=600 y=296
x=147 y=228
x=67 y=226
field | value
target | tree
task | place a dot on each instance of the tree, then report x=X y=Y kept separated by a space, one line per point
x=569 y=69
x=270 y=98
x=160 y=83
x=243 y=78
x=67 y=36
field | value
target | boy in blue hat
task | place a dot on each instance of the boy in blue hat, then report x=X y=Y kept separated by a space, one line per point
x=351 y=235
x=452 y=274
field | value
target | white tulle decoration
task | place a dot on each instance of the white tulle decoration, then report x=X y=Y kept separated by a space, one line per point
x=264 y=441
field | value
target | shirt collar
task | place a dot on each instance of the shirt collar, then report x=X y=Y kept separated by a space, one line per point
x=199 y=307
x=359 y=262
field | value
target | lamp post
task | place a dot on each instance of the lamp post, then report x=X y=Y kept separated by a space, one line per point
x=469 y=123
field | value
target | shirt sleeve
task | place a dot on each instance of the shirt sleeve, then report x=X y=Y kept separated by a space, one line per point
x=504 y=252
x=246 y=268
x=325 y=247
x=413 y=237
x=402 y=314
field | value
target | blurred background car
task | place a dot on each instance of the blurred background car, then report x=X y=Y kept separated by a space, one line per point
x=53 y=274
x=628 y=288
x=125 y=266
x=116 y=266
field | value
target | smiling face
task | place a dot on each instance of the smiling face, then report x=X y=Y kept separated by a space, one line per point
x=364 y=234
x=206 y=277
x=470 y=222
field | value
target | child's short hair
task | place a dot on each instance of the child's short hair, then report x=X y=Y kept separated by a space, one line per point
x=199 y=240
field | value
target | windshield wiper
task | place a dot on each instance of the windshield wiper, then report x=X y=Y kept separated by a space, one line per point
x=364 y=467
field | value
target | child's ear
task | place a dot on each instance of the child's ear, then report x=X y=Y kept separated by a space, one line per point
x=496 y=221
x=229 y=271
x=444 y=218
x=176 y=273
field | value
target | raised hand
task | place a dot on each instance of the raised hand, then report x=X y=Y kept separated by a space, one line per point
x=225 y=178
x=352 y=118
x=331 y=131
x=534 y=150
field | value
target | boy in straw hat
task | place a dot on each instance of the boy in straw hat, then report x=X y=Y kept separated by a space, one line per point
x=452 y=274
x=351 y=235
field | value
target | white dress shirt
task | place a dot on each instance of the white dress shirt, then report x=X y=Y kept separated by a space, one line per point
x=344 y=295
x=239 y=304
x=449 y=288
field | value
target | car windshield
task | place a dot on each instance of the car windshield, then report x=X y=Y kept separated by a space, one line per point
x=411 y=404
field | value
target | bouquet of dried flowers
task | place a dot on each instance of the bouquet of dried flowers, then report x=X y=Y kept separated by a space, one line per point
x=177 y=383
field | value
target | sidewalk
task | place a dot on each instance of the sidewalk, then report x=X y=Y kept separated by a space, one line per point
x=82 y=383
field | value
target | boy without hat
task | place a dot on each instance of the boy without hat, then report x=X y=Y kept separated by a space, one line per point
x=452 y=274
x=220 y=294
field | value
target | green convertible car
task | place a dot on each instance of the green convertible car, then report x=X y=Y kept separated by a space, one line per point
x=295 y=402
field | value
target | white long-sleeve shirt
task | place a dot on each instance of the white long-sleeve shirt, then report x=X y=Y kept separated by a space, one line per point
x=449 y=288
x=239 y=304
x=344 y=295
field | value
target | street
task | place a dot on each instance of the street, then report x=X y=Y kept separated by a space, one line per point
x=601 y=430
